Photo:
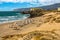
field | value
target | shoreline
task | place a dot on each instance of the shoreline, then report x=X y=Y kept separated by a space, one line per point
x=50 y=21
x=14 y=20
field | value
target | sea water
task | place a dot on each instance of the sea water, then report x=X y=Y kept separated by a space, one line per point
x=10 y=16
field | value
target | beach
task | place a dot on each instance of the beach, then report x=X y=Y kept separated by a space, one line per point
x=47 y=22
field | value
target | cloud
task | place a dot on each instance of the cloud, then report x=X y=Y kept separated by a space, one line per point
x=30 y=1
x=8 y=0
x=16 y=0
x=43 y=2
x=35 y=2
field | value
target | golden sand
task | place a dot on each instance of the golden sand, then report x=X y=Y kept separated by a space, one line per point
x=46 y=27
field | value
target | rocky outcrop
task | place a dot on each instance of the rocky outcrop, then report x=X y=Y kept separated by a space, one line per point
x=35 y=12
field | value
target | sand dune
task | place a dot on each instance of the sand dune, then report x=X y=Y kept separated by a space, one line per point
x=46 y=27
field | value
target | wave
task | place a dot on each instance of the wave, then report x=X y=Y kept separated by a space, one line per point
x=6 y=19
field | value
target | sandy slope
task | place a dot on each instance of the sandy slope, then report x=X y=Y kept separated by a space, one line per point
x=47 y=22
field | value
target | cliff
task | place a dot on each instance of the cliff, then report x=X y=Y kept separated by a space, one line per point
x=36 y=12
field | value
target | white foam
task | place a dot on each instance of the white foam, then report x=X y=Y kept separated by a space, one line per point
x=7 y=19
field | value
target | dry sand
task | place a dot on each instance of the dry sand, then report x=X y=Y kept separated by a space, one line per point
x=48 y=22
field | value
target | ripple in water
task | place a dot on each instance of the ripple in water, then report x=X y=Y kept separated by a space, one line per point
x=6 y=17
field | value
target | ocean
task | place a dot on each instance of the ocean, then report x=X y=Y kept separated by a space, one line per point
x=10 y=16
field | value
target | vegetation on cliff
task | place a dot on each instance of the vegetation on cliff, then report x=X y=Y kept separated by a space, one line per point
x=35 y=12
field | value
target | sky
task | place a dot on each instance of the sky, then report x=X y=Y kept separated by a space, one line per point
x=9 y=5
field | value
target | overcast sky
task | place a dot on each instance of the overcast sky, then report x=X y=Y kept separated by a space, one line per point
x=7 y=5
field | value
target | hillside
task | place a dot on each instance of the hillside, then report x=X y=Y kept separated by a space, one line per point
x=51 y=7
x=48 y=7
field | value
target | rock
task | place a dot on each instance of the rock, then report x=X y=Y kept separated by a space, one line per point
x=34 y=12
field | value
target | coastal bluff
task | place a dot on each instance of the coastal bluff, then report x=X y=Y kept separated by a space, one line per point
x=36 y=12
x=42 y=25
